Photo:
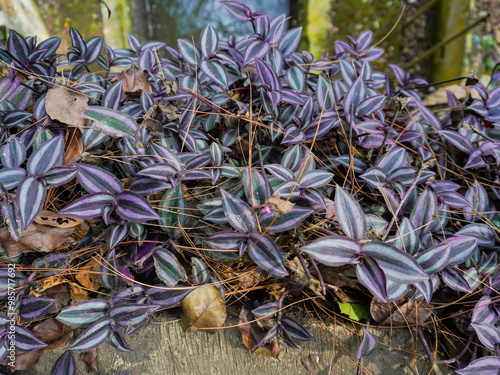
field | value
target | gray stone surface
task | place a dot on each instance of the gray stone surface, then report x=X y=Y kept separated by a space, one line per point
x=160 y=349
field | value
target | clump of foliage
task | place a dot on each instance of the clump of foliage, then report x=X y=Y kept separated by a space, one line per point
x=168 y=170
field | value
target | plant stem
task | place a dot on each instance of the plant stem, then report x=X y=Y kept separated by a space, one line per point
x=459 y=355
x=428 y=351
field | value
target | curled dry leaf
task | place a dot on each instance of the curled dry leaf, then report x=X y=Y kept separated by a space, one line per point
x=66 y=105
x=252 y=333
x=401 y=312
x=36 y=238
x=24 y=361
x=90 y=358
x=280 y=205
x=134 y=80
x=203 y=308
x=250 y=279
x=52 y=219
x=88 y=276
x=73 y=147
x=53 y=332
x=310 y=362
x=298 y=275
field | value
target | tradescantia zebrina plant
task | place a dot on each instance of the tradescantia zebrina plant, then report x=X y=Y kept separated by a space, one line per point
x=166 y=169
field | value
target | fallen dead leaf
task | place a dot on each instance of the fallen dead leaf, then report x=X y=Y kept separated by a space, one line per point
x=36 y=238
x=90 y=358
x=77 y=294
x=88 y=276
x=53 y=219
x=250 y=279
x=54 y=333
x=400 y=312
x=310 y=362
x=252 y=333
x=439 y=96
x=66 y=105
x=73 y=145
x=203 y=308
x=134 y=80
x=24 y=361
x=280 y=205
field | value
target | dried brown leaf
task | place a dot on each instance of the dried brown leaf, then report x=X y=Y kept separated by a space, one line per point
x=54 y=333
x=252 y=333
x=52 y=219
x=310 y=362
x=134 y=80
x=73 y=146
x=90 y=358
x=24 y=361
x=401 y=312
x=88 y=276
x=250 y=279
x=280 y=205
x=66 y=105
x=203 y=308
x=36 y=238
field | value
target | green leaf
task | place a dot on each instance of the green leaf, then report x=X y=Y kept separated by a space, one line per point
x=106 y=5
x=173 y=211
x=354 y=311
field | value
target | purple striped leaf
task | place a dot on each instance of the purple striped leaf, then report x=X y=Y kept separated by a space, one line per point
x=135 y=208
x=281 y=172
x=482 y=366
x=454 y=278
x=13 y=153
x=425 y=289
x=65 y=365
x=161 y=172
x=11 y=177
x=266 y=311
x=216 y=71
x=296 y=78
x=397 y=265
x=89 y=206
x=373 y=278
x=147 y=101
x=225 y=240
x=324 y=93
x=429 y=117
x=424 y=211
x=316 y=197
x=167 y=297
x=294 y=330
x=403 y=175
x=94 y=47
x=484 y=312
x=484 y=234
x=457 y=140
x=275 y=223
x=173 y=211
x=10 y=213
x=200 y=271
x=130 y=314
x=46 y=157
x=112 y=97
x=33 y=308
x=367 y=346
x=396 y=291
x=93 y=336
x=478 y=201
x=168 y=268
x=488 y=334
x=147 y=186
x=462 y=248
x=16 y=118
x=395 y=158
x=355 y=95
x=264 y=252
x=25 y=341
x=239 y=11
x=374 y=176
x=118 y=234
x=84 y=313
x=31 y=195
x=333 y=251
x=256 y=49
x=315 y=179
x=267 y=75
x=97 y=180
x=60 y=175
x=370 y=105
x=407 y=238
x=290 y=41
x=189 y=52
x=110 y=121
x=350 y=215
x=77 y=41
x=257 y=188
x=117 y=341
x=454 y=199
x=435 y=258
x=209 y=41
x=238 y=213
